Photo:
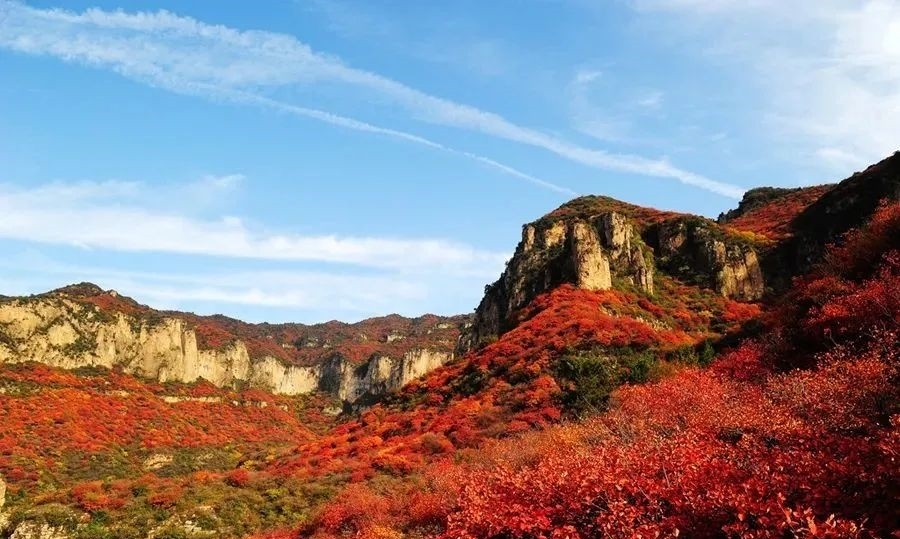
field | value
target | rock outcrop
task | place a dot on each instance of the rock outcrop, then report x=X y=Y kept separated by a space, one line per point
x=698 y=252
x=591 y=253
x=596 y=243
x=50 y=521
x=63 y=333
x=36 y=530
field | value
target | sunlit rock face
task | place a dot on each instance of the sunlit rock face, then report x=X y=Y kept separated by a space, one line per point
x=698 y=251
x=590 y=253
x=63 y=333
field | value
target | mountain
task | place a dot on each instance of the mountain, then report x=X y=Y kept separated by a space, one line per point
x=632 y=372
x=84 y=326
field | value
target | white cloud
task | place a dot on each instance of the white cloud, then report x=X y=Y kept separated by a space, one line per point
x=607 y=111
x=96 y=215
x=584 y=76
x=184 y=55
x=221 y=183
x=650 y=100
x=828 y=71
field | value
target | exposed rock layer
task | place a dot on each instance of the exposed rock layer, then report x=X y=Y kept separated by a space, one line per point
x=38 y=530
x=59 y=332
x=696 y=251
x=590 y=253
x=606 y=249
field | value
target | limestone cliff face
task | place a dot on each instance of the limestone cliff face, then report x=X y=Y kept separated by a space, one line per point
x=63 y=333
x=364 y=384
x=589 y=253
x=698 y=252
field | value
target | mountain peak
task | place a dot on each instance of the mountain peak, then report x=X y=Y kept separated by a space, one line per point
x=79 y=290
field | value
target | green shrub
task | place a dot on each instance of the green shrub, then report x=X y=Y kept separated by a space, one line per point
x=701 y=354
x=172 y=532
x=638 y=367
x=706 y=353
x=471 y=382
x=95 y=531
x=53 y=515
x=587 y=380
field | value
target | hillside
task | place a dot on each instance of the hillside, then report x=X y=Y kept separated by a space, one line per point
x=632 y=373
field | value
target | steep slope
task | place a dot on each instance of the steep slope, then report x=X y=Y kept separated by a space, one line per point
x=847 y=206
x=84 y=326
x=770 y=212
x=753 y=447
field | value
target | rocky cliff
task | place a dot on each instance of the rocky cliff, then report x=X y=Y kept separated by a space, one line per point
x=61 y=331
x=699 y=252
x=596 y=243
x=592 y=252
x=796 y=225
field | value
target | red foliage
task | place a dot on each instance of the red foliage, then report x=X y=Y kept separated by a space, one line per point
x=391 y=335
x=862 y=249
x=743 y=449
x=115 y=303
x=500 y=390
x=61 y=413
x=308 y=344
x=355 y=511
x=96 y=496
x=167 y=496
x=700 y=455
x=589 y=206
x=739 y=450
x=238 y=478
x=773 y=220
x=213 y=336
x=850 y=302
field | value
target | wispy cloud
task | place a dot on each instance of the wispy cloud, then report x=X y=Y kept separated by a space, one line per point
x=601 y=108
x=112 y=216
x=650 y=100
x=827 y=71
x=584 y=76
x=415 y=139
x=185 y=55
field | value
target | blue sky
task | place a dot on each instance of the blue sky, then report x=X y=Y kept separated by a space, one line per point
x=318 y=159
